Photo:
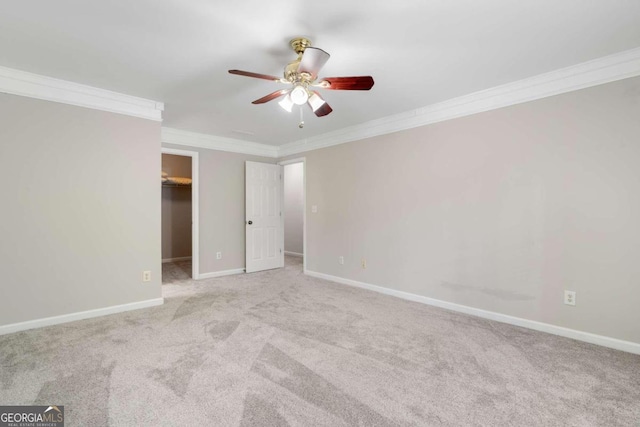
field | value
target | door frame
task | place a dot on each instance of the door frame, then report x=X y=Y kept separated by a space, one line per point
x=302 y=160
x=195 y=207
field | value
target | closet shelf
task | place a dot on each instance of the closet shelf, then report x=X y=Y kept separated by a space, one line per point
x=176 y=181
x=167 y=185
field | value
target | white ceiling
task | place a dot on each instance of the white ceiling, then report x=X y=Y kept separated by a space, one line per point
x=419 y=52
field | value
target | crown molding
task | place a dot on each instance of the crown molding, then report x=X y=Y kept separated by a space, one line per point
x=592 y=73
x=31 y=85
x=211 y=142
x=587 y=74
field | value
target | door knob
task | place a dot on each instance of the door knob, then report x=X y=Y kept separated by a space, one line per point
x=250 y=222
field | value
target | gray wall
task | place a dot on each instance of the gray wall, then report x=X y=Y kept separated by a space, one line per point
x=176 y=209
x=501 y=210
x=222 y=200
x=80 y=217
x=293 y=207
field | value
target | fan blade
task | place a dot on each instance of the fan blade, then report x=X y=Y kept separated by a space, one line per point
x=313 y=59
x=271 y=96
x=346 y=83
x=324 y=110
x=255 y=75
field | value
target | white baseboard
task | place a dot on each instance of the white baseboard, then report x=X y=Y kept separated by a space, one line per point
x=628 y=346
x=72 y=317
x=220 y=273
x=294 y=254
x=182 y=258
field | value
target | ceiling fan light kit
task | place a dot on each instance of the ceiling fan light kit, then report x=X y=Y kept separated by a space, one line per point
x=315 y=101
x=286 y=103
x=299 y=94
x=302 y=73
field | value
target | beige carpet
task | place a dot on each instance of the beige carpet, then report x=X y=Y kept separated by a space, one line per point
x=279 y=348
x=177 y=271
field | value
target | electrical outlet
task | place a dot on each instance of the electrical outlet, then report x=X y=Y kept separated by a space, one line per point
x=341 y=260
x=364 y=263
x=314 y=209
x=146 y=276
x=218 y=255
x=570 y=297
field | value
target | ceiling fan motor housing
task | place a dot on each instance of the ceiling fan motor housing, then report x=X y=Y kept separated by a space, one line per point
x=299 y=45
x=291 y=70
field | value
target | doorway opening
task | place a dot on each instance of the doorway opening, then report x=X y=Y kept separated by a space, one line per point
x=179 y=215
x=294 y=211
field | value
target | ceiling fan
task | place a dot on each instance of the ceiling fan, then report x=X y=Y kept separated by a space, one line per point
x=302 y=74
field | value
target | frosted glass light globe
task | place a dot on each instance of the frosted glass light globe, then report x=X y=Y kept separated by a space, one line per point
x=299 y=95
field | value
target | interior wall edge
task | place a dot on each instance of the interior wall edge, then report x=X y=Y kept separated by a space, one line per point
x=182 y=258
x=81 y=315
x=30 y=85
x=599 y=71
x=214 y=274
x=601 y=340
x=296 y=254
x=217 y=143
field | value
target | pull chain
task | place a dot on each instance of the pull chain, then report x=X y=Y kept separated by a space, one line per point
x=301 y=124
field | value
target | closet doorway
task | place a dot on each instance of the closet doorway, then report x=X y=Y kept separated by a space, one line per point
x=294 y=211
x=179 y=215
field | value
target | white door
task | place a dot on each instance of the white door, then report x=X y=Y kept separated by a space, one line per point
x=263 y=219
